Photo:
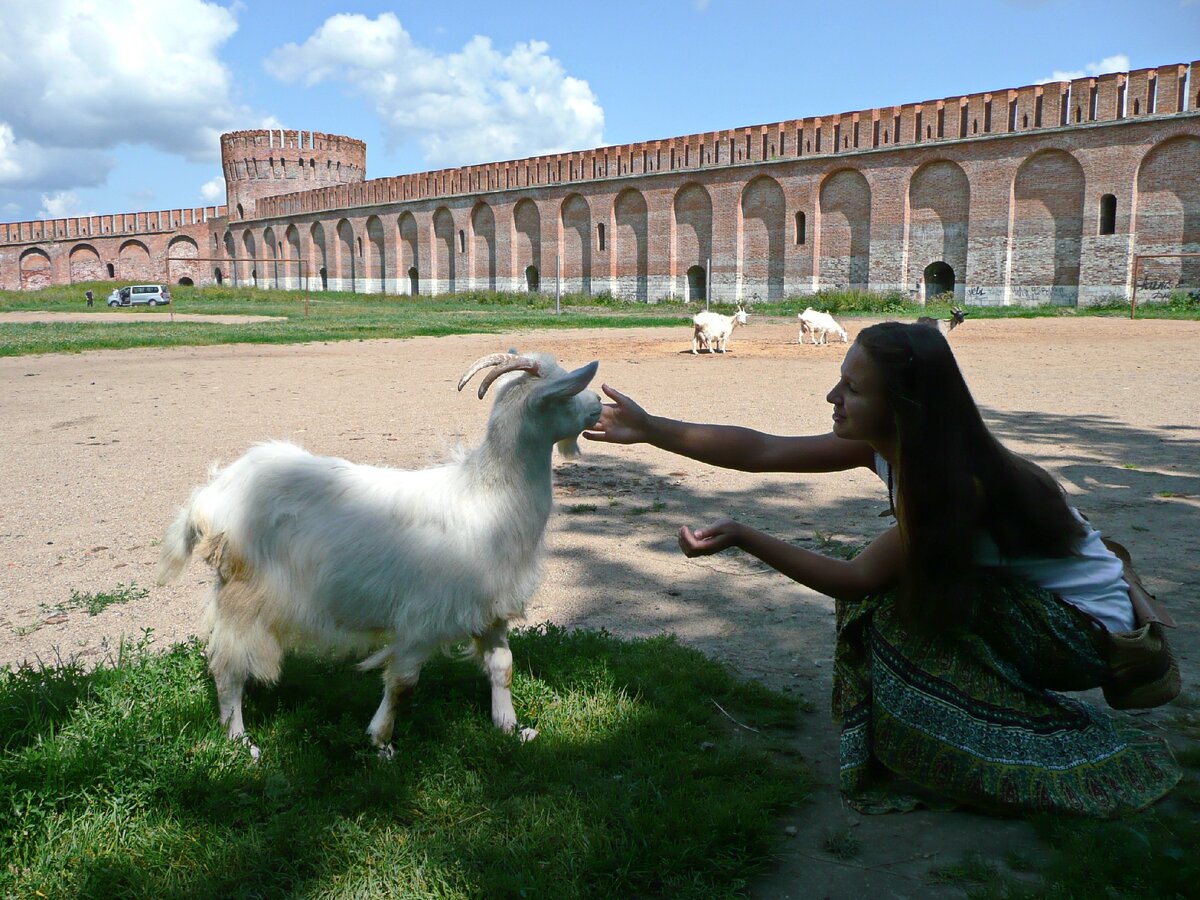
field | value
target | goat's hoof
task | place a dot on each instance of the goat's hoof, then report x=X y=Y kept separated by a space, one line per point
x=528 y=734
x=244 y=740
x=387 y=753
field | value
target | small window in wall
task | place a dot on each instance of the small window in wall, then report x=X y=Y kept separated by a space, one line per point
x=600 y=236
x=1137 y=107
x=360 y=248
x=1108 y=214
x=462 y=241
x=241 y=212
x=112 y=272
x=219 y=276
x=801 y=229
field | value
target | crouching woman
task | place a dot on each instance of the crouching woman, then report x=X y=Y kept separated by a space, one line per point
x=959 y=626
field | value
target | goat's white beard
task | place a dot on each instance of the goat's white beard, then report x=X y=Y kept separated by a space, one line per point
x=568 y=447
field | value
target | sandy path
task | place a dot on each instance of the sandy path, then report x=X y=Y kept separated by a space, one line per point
x=102 y=447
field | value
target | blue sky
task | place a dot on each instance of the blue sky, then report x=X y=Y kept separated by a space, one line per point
x=116 y=105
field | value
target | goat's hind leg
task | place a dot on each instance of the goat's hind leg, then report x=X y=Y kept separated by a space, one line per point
x=496 y=658
x=233 y=657
x=399 y=678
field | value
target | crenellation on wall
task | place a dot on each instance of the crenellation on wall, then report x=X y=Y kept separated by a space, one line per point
x=1080 y=95
x=1110 y=96
x=1170 y=92
x=102 y=225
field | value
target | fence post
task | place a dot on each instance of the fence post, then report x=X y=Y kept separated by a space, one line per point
x=707 y=282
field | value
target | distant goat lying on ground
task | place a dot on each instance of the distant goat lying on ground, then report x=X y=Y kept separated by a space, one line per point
x=820 y=325
x=312 y=551
x=945 y=326
x=713 y=329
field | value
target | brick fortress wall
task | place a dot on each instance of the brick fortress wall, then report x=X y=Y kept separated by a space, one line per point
x=1026 y=195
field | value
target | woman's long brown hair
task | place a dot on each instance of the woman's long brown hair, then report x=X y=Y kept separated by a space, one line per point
x=956 y=481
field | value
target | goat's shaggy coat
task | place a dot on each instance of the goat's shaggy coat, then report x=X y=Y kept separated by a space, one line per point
x=820 y=325
x=313 y=551
x=713 y=329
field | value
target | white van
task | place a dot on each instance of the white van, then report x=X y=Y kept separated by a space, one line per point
x=140 y=295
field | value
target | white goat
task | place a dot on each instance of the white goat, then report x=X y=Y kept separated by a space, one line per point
x=819 y=325
x=710 y=328
x=945 y=326
x=312 y=551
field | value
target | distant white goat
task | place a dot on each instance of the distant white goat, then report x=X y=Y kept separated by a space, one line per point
x=710 y=328
x=312 y=551
x=945 y=326
x=819 y=325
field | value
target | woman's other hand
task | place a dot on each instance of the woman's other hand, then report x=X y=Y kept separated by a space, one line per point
x=621 y=422
x=710 y=540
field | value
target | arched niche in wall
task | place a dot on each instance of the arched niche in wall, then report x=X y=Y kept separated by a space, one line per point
x=844 y=208
x=631 y=245
x=1047 y=229
x=763 y=220
x=939 y=200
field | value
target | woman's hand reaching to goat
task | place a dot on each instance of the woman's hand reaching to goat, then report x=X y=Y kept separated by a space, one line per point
x=621 y=422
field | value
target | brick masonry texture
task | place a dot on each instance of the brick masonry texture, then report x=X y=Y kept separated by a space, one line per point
x=1039 y=194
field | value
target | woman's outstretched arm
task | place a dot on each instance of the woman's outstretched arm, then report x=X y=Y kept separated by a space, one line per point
x=729 y=446
x=877 y=567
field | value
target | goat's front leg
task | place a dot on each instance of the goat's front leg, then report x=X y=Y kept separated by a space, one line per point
x=398 y=682
x=492 y=647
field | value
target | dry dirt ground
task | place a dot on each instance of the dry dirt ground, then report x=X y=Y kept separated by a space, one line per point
x=101 y=448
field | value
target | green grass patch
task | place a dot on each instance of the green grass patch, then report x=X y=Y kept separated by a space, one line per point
x=335 y=316
x=842 y=843
x=972 y=869
x=94 y=603
x=91 y=603
x=577 y=508
x=119 y=782
x=656 y=506
x=1150 y=855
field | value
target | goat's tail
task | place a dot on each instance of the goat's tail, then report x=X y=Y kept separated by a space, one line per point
x=178 y=543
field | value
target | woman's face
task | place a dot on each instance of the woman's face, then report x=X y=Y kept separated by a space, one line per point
x=861 y=411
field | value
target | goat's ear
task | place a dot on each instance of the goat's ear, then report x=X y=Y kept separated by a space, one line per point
x=570 y=384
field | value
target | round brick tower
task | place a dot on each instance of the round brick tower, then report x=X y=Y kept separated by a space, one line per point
x=269 y=162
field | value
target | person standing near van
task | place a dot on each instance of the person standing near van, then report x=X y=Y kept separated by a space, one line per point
x=90 y=297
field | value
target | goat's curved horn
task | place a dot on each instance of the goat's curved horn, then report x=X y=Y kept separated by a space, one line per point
x=494 y=359
x=505 y=363
x=518 y=364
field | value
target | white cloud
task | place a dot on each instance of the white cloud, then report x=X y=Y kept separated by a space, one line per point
x=79 y=78
x=213 y=190
x=62 y=205
x=475 y=105
x=1118 y=62
x=26 y=165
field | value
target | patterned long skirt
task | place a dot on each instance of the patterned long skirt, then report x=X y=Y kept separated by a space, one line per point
x=974 y=718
